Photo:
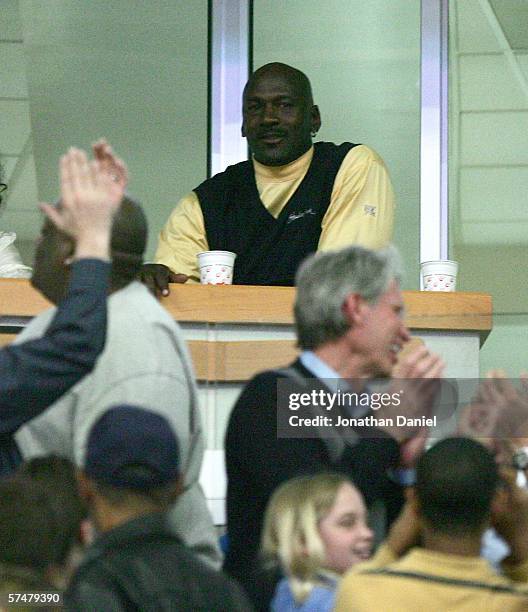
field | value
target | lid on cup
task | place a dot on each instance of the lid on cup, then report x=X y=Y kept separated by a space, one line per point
x=216 y=253
x=440 y=261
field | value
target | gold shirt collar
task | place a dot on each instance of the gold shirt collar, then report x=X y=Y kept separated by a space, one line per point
x=287 y=172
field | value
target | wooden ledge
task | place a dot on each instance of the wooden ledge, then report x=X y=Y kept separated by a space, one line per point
x=234 y=360
x=229 y=361
x=231 y=304
x=239 y=361
x=19 y=299
x=458 y=311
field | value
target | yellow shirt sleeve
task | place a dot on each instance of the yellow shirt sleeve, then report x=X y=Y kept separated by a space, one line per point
x=182 y=238
x=346 y=591
x=361 y=209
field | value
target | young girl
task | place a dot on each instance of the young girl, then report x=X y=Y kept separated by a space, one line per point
x=315 y=528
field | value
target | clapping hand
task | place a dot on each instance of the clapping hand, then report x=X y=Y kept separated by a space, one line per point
x=113 y=167
x=86 y=207
x=416 y=381
x=499 y=411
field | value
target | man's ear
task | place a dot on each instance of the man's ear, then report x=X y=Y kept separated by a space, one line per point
x=243 y=130
x=354 y=308
x=410 y=496
x=178 y=487
x=67 y=250
x=316 y=118
x=412 y=499
x=86 y=532
x=85 y=486
x=499 y=502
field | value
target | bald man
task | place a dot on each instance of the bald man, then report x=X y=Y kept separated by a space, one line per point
x=145 y=361
x=291 y=199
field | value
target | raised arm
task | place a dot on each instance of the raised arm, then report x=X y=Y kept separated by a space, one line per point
x=34 y=374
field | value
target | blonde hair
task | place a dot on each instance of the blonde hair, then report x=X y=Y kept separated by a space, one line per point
x=291 y=535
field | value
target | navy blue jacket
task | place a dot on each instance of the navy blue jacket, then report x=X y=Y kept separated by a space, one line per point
x=36 y=373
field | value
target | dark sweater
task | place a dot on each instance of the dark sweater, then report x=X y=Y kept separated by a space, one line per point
x=142 y=566
x=258 y=461
x=36 y=373
x=269 y=250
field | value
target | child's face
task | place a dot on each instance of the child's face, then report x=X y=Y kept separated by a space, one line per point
x=344 y=531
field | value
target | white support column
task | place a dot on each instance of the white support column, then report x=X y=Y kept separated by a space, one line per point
x=229 y=73
x=434 y=221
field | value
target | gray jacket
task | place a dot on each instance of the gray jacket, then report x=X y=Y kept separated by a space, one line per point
x=145 y=362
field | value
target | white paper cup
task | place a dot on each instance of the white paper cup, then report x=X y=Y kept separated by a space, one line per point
x=216 y=267
x=439 y=275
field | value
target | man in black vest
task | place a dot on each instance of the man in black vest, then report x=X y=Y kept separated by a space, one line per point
x=291 y=199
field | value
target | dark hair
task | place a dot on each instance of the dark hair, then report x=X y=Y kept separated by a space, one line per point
x=293 y=74
x=324 y=280
x=28 y=524
x=127 y=246
x=57 y=475
x=455 y=483
x=128 y=242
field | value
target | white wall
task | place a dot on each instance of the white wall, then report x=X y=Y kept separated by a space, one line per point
x=489 y=166
x=363 y=59
x=134 y=72
x=19 y=211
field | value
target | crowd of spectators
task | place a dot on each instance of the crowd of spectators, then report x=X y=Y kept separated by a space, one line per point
x=101 y=441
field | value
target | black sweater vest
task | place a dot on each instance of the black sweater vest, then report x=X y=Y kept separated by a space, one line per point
x=268 y=250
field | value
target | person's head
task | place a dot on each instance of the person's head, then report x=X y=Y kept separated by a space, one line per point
x=29 y=528
x=279 y=116
x=456 y=482
x=316 y=524
x=57 y=475
x=31 y=538
x=131 y=465
x=55 y=249
x=353 y=290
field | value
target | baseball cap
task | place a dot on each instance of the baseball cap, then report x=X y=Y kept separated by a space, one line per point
x=127 y=437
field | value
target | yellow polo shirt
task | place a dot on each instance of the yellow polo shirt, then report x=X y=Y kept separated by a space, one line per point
x=361 y=209
x=430 y=583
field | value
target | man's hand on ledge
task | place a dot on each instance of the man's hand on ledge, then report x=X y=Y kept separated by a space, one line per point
x=157 y=278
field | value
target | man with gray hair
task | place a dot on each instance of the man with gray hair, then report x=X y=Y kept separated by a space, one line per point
x=332 y=288
x=350 y=328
